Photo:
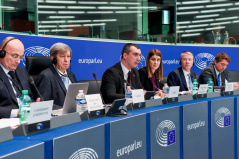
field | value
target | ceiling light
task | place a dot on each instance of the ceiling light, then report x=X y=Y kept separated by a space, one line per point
x=199 y=25
x=202 y=21
x=227 y=18
x=183 y=13
x=143 y=7
x=81 y=7
x=76 y=25
x=78 y=21
x=214 y=28
x=43 y=30
x=236 y=8
x=193 y=7
x=124 y=3
x=221 y=23
x=215 y=10
x=61 y=30
x=111 y=7
x=61 y=17
x=196 y=2
x=181 y=27
x=62 y=2
x=105 y=20
x=100 y=12
x=235 y=21
x=47 y=12
x=47 y=26
x=128 y=12
x=85 y=2
x=96 y=24
x=186 y=35
x=71 y=12
x=219 y=5
x=194 y=30
x=52 y=21
x=52 y=7
x=184 y=22
x=207 y=16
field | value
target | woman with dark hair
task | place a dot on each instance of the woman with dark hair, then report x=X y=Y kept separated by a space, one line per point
x=151 y=75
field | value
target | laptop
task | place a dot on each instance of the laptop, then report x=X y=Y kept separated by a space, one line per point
x=70 y=99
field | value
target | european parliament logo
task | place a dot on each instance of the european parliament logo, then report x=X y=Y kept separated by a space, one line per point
x=166 y=133
x=84 y=153
x=35 y=51
x=142 y=62
x=223 y=117
x=202 y=60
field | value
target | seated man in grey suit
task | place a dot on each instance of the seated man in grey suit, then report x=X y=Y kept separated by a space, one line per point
x=13 y=78
x=217 y=72
x=53 y=82
x=183 y=76
x=116 y=78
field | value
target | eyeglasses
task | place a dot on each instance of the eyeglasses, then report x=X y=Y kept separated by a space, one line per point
x=15 y=56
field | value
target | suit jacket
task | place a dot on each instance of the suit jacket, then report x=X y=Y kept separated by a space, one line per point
x=209 y=72
x=51 y=86
x=112 y=86
x=147 y=82
x=177 y=78
x=8 y=100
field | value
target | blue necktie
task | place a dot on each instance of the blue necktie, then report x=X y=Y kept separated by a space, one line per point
x=65 y=80
x=218 y=79
x=190 y=82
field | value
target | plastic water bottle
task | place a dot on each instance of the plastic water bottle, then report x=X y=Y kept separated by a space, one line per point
x=226 y=38
x=25 y=108
x=195 y=87
x=217 y=38
x=81 y=105
x=128 y=95
x=165 y=90
x=210 y=85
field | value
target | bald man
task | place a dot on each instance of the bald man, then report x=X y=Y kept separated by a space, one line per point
x=13 y=78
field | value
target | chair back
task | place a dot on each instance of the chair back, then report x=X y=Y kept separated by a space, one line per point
x=93 y=88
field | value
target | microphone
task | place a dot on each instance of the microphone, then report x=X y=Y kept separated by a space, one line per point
x=31 y=80
x=95 y=76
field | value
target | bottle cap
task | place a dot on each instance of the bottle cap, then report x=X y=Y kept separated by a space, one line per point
x=80 y=91
x=194 y=80
x=209 y=79
x=24 y=92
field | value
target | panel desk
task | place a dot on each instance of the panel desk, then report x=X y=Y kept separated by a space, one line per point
x=205 y=128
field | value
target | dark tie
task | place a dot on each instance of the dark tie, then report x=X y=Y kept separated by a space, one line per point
x=15 y=83
x=218 y=79
x=129 y=79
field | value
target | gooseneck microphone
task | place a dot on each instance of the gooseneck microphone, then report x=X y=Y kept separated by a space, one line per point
x=95 y=76
x=128 y=84
x=31 y=80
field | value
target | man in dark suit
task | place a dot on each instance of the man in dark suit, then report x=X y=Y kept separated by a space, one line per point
x=217 y=72
x=13 y=78
x=53 y=82
x=116 y=78
x=183 y=76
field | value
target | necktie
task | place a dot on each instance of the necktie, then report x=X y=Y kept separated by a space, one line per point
x=15 y=83
x=218 y=79
x=129 y=79
x=190 y=82
x=65 y=80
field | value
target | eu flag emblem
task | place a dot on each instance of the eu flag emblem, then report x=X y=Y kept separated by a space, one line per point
x=171 y=137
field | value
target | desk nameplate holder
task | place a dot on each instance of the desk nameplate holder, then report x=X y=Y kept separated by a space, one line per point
x=92 y=114
x=186 y=97
x=170 y=100
x=5 y=134
x=153 y=102
x=29 y=129
x=65 y=119
x=200 y=96
x=135 y=106
x=213 y=94
x=229 y=93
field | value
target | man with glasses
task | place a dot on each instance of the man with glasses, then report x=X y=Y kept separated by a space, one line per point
x=217 y=72
x=13 y=78
x=183 y=76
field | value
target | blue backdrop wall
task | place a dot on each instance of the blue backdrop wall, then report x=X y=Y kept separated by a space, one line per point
x=96 y=56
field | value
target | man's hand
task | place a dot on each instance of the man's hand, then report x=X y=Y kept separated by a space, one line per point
x=236 y=86
x=38 y=100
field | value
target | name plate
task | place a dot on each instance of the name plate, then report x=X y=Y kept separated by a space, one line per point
x=203 y=89
x=173 y=92
x=94 y=102
x=138 y=96
x=229 y=87
x=40 y=111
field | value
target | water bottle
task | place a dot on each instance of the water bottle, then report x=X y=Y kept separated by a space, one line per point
x=210 y=85
x=226 y=38
x=81 y=105
x=165 y=90
x=25 y=108
x=128 y=95
x=217 y=38
x=195 y=87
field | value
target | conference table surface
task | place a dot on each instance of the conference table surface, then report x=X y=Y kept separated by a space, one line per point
x=47 y=137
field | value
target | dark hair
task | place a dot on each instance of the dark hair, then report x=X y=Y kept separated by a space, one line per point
x=221 y=56
x=126 y=48
x=151 y=53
